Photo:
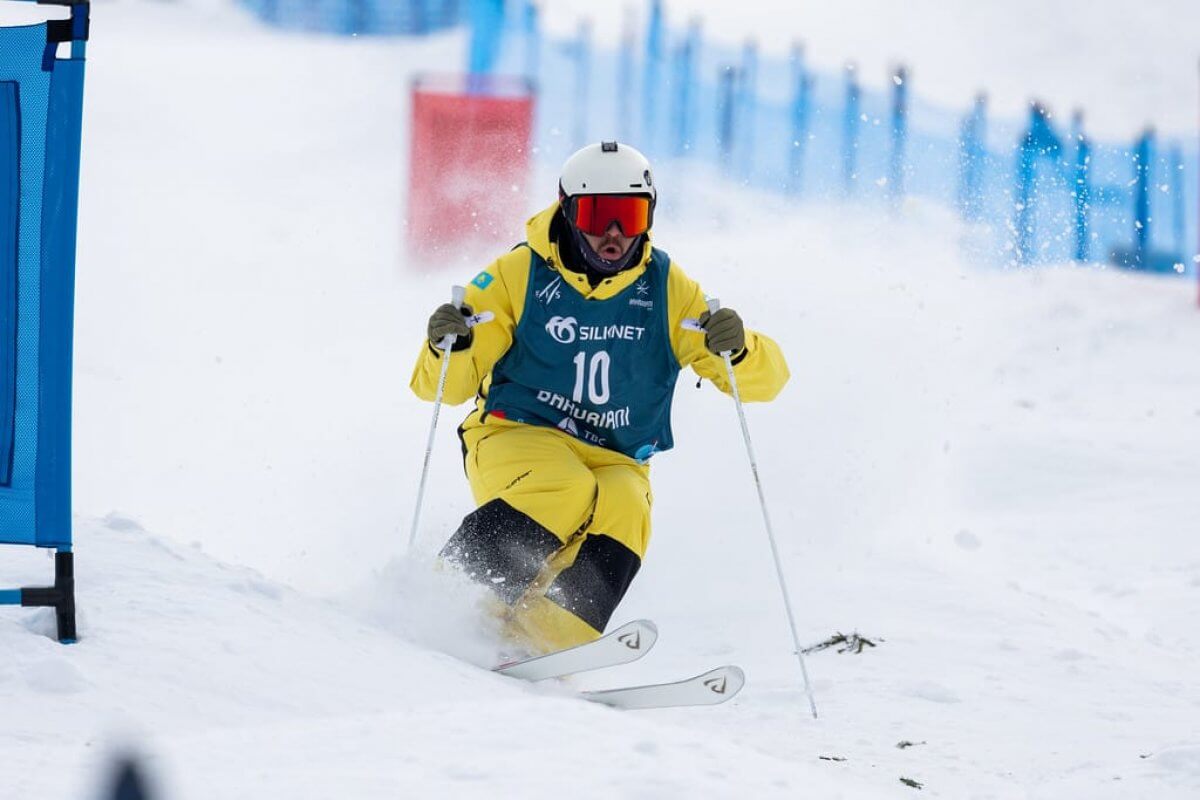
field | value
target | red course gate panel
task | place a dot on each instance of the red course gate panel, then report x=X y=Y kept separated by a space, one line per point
x=470 y=163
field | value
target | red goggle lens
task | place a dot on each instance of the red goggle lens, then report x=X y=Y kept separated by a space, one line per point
x=594 y=213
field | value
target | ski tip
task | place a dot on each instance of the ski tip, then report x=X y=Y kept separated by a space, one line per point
x=639 y=635
x=729 y=670
x=647 y=624
x=724 y=682
x=643 y=626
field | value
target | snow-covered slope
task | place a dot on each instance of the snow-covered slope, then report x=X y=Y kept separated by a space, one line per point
x=233 y=686
x=988 y=474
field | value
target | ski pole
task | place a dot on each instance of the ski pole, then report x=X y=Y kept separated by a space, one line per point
x=714 y=305
x=456 y=297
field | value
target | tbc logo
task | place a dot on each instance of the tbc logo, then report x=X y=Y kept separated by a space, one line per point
x=562 y=329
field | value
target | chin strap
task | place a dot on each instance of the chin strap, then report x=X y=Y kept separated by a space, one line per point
x=600 y=265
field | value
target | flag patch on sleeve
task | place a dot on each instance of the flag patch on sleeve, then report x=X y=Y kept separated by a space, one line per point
x=483 y=280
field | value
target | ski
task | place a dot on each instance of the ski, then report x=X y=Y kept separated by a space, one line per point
x=627 y=643
x=710 y=689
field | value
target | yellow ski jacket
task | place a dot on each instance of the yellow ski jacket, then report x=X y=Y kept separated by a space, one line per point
x=761 y=372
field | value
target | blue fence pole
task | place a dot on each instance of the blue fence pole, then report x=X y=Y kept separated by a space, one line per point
x=726 y=106
x=420 y=22
x=533 y=42
x=1178 y=211
x=684 y=85
x=972 y=154
x=1082 y=189
x=899 y=133
x=691 y=107
x=439 y=14
x=850 y=129
x=678 y=88
x=1025 y=167
x=442 y=14
x=800 y=110
x=583 y=80
x=354 y=20
x=1142 y=166
x=625 y=61
x=1039 y=142
x=651 y=73
x=747 y=106
x=487 y=25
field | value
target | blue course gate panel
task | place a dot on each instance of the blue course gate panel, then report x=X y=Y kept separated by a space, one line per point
x=21 y=51
x=40 y=111
x=41 y=105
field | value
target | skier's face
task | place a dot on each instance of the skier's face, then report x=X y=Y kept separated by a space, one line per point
x=612 y=245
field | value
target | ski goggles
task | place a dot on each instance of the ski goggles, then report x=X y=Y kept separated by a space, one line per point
x=595 y=213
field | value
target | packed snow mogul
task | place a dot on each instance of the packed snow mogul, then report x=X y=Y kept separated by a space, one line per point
x=573 y=378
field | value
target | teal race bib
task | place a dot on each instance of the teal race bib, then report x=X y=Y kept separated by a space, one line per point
x=600 y=370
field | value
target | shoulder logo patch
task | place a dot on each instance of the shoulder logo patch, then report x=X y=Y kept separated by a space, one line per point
x=483 y=280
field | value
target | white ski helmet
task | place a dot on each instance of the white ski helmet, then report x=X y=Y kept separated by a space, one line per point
x=607 y=168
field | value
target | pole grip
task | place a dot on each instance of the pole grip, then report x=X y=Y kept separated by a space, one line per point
x=714 y=305
x=457 y=293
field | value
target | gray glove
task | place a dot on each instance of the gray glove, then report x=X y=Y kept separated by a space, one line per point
x=723 y=331
x=447 y=321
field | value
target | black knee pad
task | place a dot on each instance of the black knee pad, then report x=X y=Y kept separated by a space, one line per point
x=501 y=548
x=593 y=586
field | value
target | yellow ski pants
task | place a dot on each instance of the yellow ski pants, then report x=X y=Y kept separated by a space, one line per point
x=559 y=532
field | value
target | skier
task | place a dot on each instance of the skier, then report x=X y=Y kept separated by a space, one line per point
x=573 y=378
